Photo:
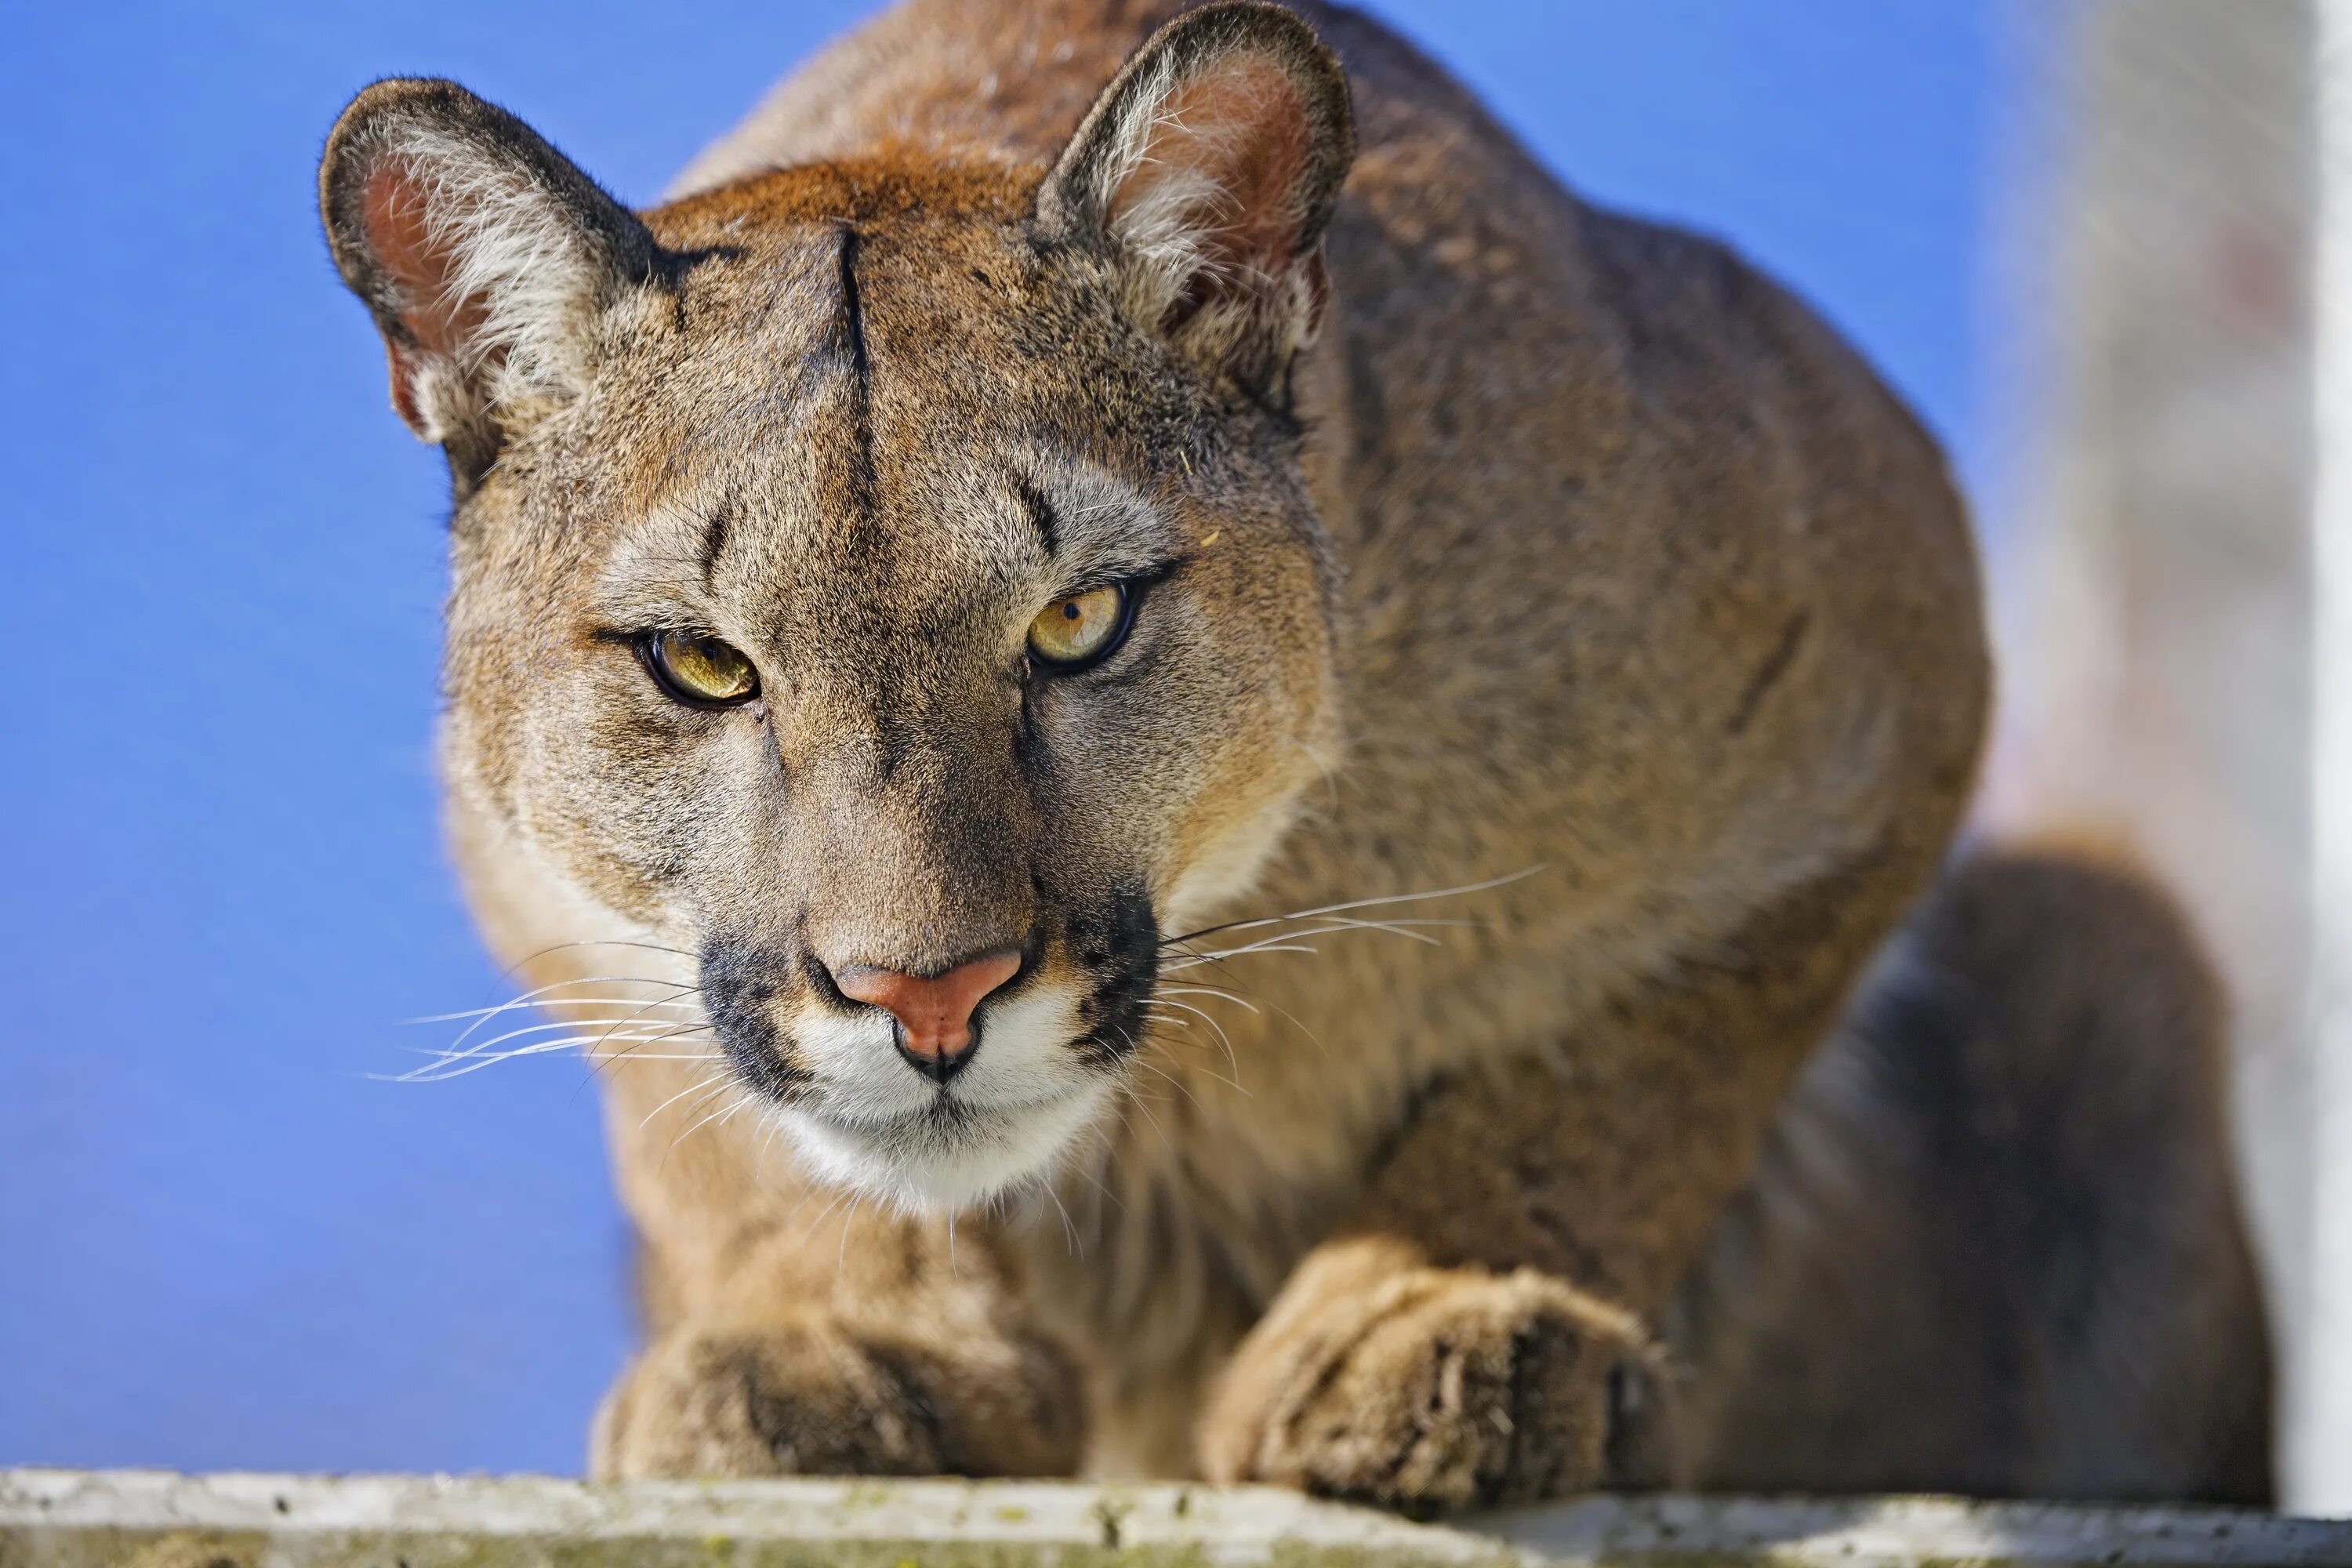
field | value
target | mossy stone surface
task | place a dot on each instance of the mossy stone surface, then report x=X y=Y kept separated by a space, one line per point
x=84 y=1519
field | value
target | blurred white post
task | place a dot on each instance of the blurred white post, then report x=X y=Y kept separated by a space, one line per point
x=2177 y=593
x=2319 y=1434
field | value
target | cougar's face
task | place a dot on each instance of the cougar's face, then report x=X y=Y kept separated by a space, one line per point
x=897 y=629
x=887 y=581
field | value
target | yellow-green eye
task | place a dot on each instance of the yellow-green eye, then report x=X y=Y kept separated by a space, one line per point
x=1081 y=629
x=700 y=670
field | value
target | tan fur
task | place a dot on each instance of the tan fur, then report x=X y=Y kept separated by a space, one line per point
x=1521 y=544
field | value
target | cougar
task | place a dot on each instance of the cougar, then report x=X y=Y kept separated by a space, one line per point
x=1227 y=790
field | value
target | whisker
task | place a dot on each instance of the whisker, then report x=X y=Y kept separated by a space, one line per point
x=1279 y=1011
x=724 y=1110
x=1069 y=1228
x=1294 y=941
x=1208 y=991
x=705 y=1084
x=538 y=1047
x=839 y=1196
x=771 y=1128
x=538 y=991
x=510 y=972
x=1174 y=1083
x=743 y=1102
x=623 y=1059
x=1266 y=946
x=1135 y=1098
x=680 y=1032
x=1231 y=1058
x=451 y=1053
x=560 y=1001
x=446 y=1068
x=602 y=942
x=527 y=997
x=1300 y=1026
x=1210 y=1073
x=1359 y=904
x=1412 y=929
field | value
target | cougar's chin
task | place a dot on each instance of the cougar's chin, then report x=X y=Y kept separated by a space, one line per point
x=950 y=1154
x=868 y=1121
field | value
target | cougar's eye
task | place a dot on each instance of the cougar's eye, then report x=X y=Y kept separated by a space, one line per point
x=1077 y=630
x=699 y=670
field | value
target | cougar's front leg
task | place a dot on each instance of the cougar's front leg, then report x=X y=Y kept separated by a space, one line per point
x=798 y=1333
x=905 y=1362
x=1444 y=1350
x=1474 y=1334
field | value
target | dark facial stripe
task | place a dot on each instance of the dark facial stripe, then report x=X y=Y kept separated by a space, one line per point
x=1040 y=513
x=739 y=986
x=1117 y=946
x=861 y=369
x=714 y=540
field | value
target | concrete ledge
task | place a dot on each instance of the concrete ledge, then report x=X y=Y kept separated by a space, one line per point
x=57 y=1519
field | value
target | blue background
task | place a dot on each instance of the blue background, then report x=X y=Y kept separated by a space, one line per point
x=222 y=1244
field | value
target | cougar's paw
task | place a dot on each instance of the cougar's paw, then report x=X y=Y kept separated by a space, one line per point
x=1433 y=1391
x=812 y=1397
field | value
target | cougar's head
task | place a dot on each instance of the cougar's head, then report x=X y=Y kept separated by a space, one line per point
x=890 y=581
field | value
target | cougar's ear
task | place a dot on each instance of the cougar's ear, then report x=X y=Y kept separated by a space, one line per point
x=1205 y=173
x=484 y=253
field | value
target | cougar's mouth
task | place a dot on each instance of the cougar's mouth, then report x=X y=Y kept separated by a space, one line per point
x=870 y=1104
x=947 y=1155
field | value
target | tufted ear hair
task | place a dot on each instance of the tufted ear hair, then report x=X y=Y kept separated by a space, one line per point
x=484 y=253
x=1206 y=173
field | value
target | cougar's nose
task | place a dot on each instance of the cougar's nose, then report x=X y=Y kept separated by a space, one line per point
x=934 y=1011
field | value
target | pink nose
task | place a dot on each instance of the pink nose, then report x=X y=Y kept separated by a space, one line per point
x=934 y=1012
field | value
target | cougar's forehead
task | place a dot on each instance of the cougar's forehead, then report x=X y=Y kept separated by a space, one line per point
x=871 y=423
x=922 y=288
